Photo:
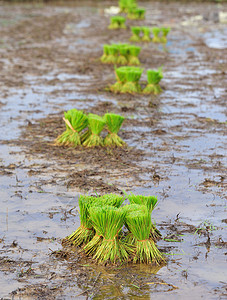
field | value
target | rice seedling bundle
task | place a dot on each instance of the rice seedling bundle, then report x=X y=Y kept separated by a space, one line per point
x=105 y=200
x=165 y=31
x=139 y=224
x=117 y=22
x=91 y=136
x=121 y=54
x=133 y=75
x=101 y=230
x=134 y=52
x=112 y=248
x=121 y=79
x=110 y=200
x=113 y=123
x=127 y=80
x=156 y=35
x=150 y=202
x=157 y=38
x=129 y=238
x=85 y=232
x=105 y=53
x=112 y=54
x=153 y=78
x=146 y=34
x=135 y=34
x=96 y=125
x=136 y=13
x=125 y=5
x=75 y=121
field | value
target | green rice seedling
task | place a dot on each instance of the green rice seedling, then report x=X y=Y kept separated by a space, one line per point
x=129 y=238
x=113 y=54
x=110 y=200
x=96 y=125
x=75 y=121
x=105 y=200
x=95 y=242
x=134 y=51
x=153 y=78
x=86 y=231
x=146 y=34
x=113 y=123
x=121 y=79
x=135 y=34
x=165 y=31
x=113 y=23
x=117 y=22
x=123 y=54
x=125 y=5
x=136 y=13
x=156 y=31
x=105 y=53
x=133 y=75
x=112 y=248
x=139 y=224
x=150 y=202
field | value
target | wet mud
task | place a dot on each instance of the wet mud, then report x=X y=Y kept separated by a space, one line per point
x=176 y=149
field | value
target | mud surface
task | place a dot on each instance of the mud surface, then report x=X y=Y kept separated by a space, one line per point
x=176 y=150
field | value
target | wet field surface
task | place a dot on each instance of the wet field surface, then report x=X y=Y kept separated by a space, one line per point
x=49 y=63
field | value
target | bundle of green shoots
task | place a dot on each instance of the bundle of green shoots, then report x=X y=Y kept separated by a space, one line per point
x=150 y=202
x=127 y=80
x=112 y=56
x=139 y=224
x=120 y=54
x=109 y=221
x=113 y=124
x=91 y=137
x=115 y=54
x=123 y=54
x=125 y=5
x=134 y=52
x=165 y=31
x=117 y=22
x=135 y=34
x=157 y=38
x=105 y=53
x=136 y=13
x=121 y=79
x=110 y=200
x=156 y=34
x=75 y=121
x=129 y=237
x=103 y=236
x=86 y=231
x=146 y=34
x=153 y=78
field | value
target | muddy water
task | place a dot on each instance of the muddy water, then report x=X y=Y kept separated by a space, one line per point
x=48 y=59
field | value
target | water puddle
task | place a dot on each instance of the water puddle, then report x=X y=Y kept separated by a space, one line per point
x=216 y=39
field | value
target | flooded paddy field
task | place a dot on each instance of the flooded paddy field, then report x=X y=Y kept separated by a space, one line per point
x=49 y=63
